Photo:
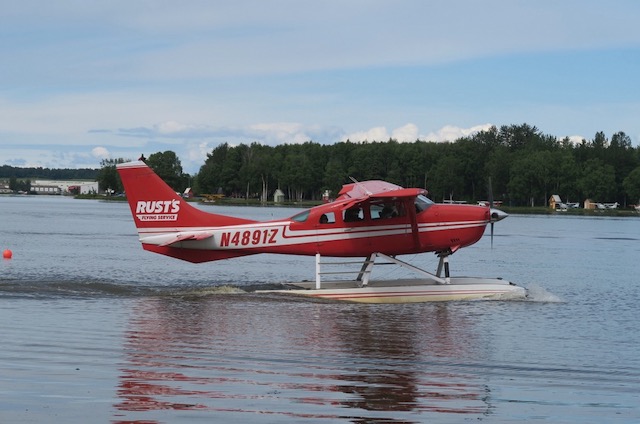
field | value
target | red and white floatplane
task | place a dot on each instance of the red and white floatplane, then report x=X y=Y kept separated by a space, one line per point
x=370 y=223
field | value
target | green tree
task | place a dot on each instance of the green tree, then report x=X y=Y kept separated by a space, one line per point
x=518 y=137
x=567 y=176
x=632 y=185
x=447 y=179
x=168 y=167
x=497 y=167
x=530 y=176
x=525 y=166
x=334 y=175
x=108 y=178
x=620 y=155
x=597 y=181
x=210 y=175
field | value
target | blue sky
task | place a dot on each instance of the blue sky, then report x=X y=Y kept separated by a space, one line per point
x=82 y=81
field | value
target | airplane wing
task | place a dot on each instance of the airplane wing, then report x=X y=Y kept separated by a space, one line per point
x=200 y=235
x=376 y=189
x=365 y=189
x=402 y=192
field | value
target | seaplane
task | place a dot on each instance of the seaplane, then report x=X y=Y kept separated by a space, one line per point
x=370 y=223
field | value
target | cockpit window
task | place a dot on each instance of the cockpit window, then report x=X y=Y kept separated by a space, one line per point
x=422 y=203
x=328 y=218
x=387 y=208
x=353 y=214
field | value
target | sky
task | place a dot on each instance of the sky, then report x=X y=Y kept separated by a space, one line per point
x=85 y=81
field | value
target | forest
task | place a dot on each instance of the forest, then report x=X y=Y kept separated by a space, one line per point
x=7 y=172
x=525 y=167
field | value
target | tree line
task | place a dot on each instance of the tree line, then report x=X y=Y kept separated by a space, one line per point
x=522 y=165
x=7 y=172
x=20 y=178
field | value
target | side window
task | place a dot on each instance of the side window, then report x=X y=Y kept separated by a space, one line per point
x=376 y=210
x=387 y=209
x=328 y=218
x=353 y=214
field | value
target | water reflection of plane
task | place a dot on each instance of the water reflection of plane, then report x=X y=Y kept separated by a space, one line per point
x=384 y=362
x=147 y=379
x=410 y=346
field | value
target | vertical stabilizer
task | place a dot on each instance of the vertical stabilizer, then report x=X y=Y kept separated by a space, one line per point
x=155 y=205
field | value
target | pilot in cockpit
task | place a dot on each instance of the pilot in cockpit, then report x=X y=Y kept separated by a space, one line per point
x=352 y=214
x=389 y=211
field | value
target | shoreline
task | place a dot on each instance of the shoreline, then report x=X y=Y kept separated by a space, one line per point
x=512 y=210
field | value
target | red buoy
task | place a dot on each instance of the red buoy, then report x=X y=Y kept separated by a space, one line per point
x=7 y=254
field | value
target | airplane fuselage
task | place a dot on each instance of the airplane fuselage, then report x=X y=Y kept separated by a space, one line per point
x=367 y=217
x=439 y=227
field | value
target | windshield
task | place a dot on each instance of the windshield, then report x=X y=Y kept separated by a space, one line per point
x=301 y=217
x=422 y=203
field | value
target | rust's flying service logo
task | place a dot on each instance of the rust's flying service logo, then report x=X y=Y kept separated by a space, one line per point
x=157 y=210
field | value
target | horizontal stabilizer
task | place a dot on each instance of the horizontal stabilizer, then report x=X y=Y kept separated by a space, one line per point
x=200 y=235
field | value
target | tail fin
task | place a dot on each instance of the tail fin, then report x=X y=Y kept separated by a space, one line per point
x=156 y=207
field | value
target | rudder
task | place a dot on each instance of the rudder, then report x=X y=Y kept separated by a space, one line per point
x=154 y=204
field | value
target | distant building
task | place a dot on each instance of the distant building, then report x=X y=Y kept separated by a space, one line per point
x=4 y=189
x=64 y=187
x=45 y=188
x=555 y=202
x=278 y=196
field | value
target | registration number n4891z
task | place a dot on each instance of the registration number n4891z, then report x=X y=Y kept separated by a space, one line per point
x=248 y=237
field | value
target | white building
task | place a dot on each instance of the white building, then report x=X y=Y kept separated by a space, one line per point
x=63 y=187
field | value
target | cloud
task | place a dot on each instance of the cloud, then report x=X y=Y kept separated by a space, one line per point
x=193 y=143
x=100 y=153
x=452 y=133
x=574 y=139
x=193 y=39
x=189 y=76
x=265 y=133
x=409 y=133
x=406 y=133
x=372 y=134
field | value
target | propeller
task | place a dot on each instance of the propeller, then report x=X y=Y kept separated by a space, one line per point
x=495 y=215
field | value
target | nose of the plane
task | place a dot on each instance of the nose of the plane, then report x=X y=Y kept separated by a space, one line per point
x=497 y=215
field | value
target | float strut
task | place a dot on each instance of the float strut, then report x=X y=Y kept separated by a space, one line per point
x=444 y=263
x=317 y=271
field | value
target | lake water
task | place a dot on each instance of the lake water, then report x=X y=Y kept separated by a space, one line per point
x=95 y=328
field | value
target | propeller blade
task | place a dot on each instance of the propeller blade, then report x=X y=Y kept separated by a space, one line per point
x=495 y=215
x=492 y=234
